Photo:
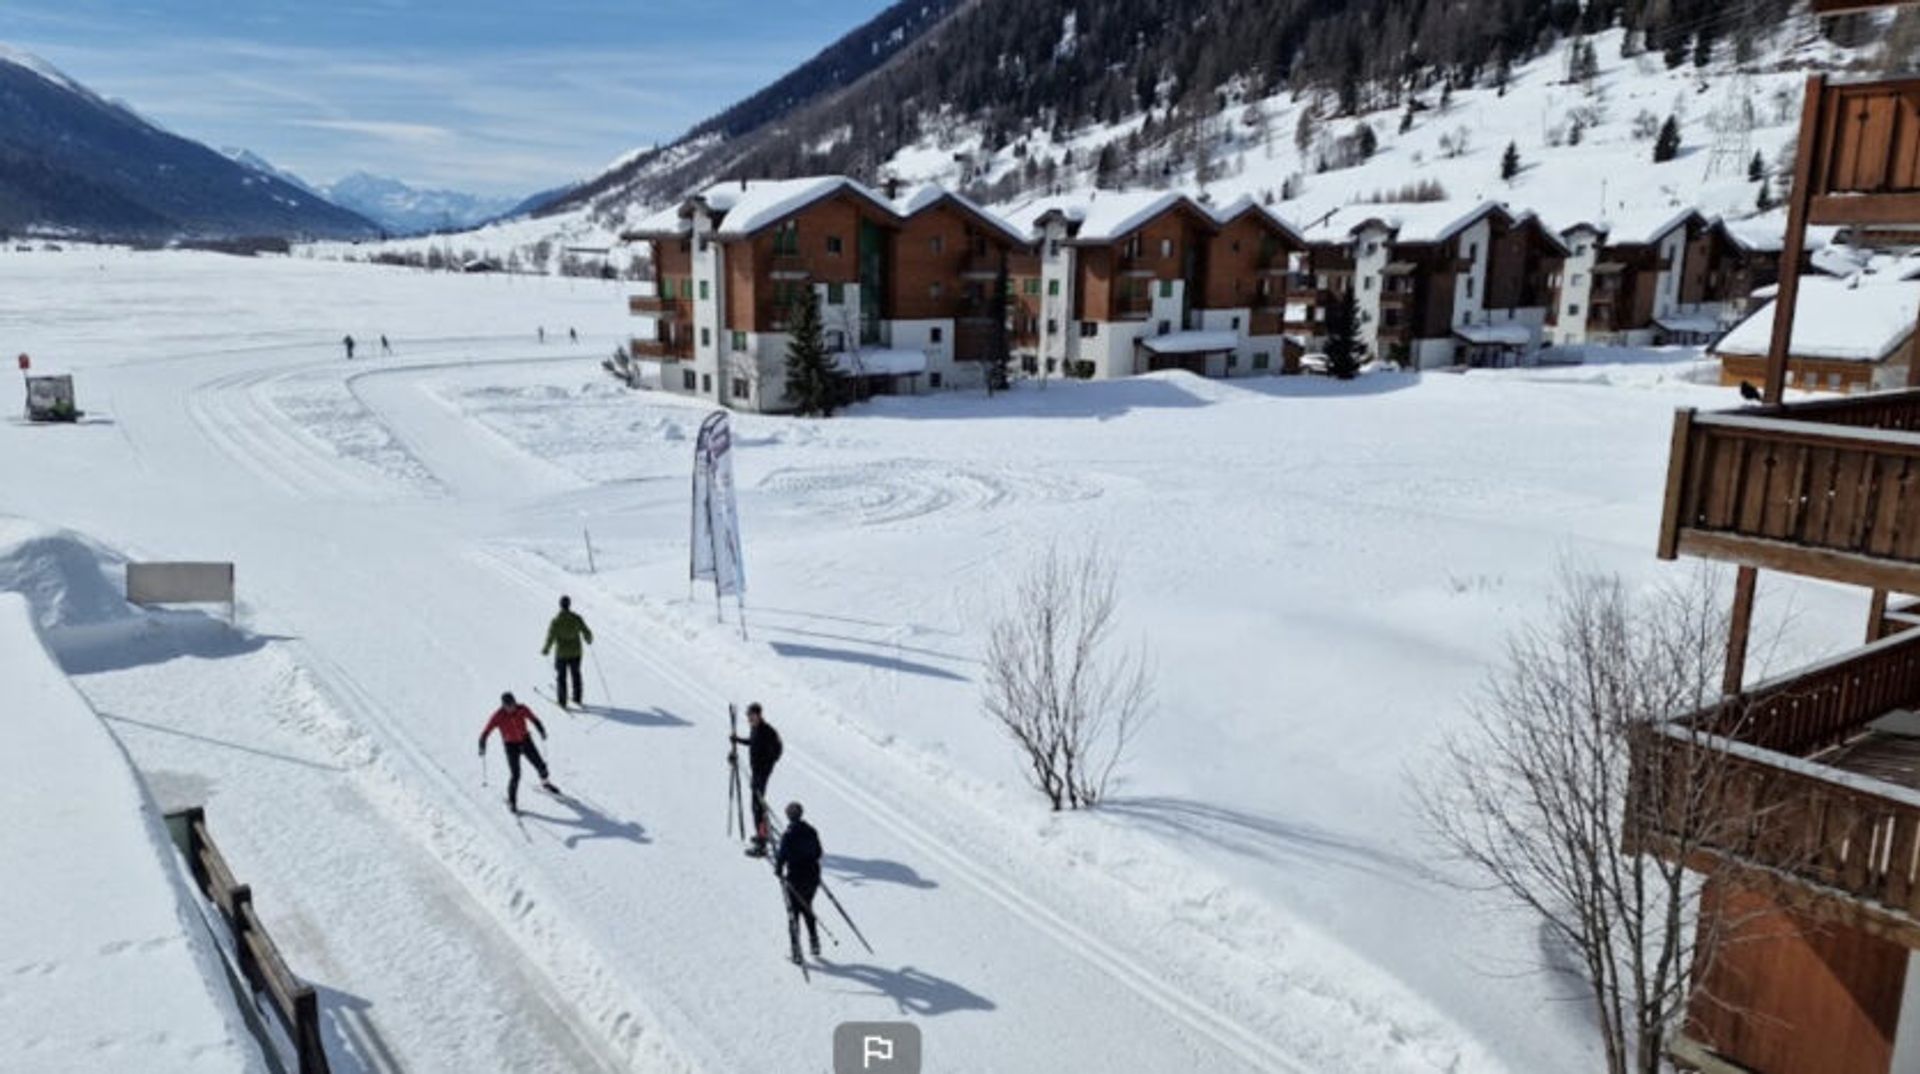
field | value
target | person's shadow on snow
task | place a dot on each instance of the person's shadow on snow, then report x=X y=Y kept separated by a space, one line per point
x=912 y=991
x=592 y=823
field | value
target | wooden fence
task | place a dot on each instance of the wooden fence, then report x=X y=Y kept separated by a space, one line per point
x=291 y=1001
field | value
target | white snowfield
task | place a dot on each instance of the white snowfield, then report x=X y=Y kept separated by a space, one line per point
x=1322 y=571
x=104 y=963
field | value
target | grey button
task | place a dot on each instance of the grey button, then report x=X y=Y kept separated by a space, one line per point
x=876 y=1048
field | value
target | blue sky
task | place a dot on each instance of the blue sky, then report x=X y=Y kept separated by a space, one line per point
x=490 y=96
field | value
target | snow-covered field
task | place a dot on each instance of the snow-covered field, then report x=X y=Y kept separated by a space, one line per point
x=1323 y=573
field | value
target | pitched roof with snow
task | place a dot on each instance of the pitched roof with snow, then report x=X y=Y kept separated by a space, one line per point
x=755 y=205
x=1645 y=227
x=933 y=194
x=1234 y=210
x=1105 y=216
x=1410 y=222
x=1860 y=319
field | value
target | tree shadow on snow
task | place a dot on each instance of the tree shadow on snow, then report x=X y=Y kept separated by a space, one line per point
x=1314 y=387
x=873 y=660
x=914 y=992
x=1264 y=838
x=877 y=643
x=858 y=872
x=347 y=1033
x=592 y=824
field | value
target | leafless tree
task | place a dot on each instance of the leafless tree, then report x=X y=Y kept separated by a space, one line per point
x=1577 y=792
x=1054 y=683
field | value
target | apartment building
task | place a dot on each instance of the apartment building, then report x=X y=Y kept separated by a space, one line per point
x=904 y=288
x=1441 y=283
x=1136 y=282
x=1623 y=277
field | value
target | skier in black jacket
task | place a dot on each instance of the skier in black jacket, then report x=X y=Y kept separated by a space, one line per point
x=797 y=862
x=763 y=752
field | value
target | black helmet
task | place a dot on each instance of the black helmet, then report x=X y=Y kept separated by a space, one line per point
x=507 y=698
x=565 y=603
x=795 y=810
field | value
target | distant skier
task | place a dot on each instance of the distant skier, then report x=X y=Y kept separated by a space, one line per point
x=573 y=336
x=763 y=752
x=564 y=637
x=511 y=720
x=541 y=332
x=797 y=862
x=347 y=342
x=385 y=347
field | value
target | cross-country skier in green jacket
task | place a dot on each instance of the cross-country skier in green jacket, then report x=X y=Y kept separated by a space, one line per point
x=564 y=638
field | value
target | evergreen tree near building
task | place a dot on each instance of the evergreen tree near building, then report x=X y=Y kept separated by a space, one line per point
x=1510 y=163
x=1756 y=168
x=999 y=353
x=1764 y=201
x=810 y=376
x=1343 y=336
x=1667 y=145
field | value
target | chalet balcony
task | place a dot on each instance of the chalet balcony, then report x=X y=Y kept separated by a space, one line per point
x=1132 y=311
x=655 y=306
x=1865 y=166
x=1828 y=489
x=981 y=267
x=789 y=267
x=1812 y=784
x=671 y=341
x=1267 y=322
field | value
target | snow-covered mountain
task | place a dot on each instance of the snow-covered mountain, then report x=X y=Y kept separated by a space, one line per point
x=74 y=163
x=407 y=210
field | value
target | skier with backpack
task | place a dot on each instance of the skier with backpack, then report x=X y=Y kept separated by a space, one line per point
x=797 y=864
x=565 y=636
x=511 y=720
x=763 y=752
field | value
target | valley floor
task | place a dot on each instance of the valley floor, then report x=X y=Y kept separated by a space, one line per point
x=1323 y=573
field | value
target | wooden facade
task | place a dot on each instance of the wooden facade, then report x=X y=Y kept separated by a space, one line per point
x=1116 y=278
x=1813 y=859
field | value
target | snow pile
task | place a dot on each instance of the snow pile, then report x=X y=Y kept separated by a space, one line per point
x=68 y=581
x=1860 y=319
x=107 y=964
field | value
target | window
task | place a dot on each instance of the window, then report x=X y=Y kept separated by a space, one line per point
x=786 y=239
x=1029 y=363
x=1260 y=360
x=1166 y=288
x=934 y=290
x=739 y=341
x=1466 y=318
x=935 y=334
x=1166 y=248
x=1577 y=278
x=833 y=245
x=1165 y=327
x=1089 y=329
x=1469 y=286
x=937 y=244
x=1236 y=246
x=1053 y=250
x=740 y=390
x=836 y=294
x=1233 y=360
x=1053 y=326
x=1236 y=324
x=1833 y=381
x=1573 y=310
x=1366 y=284
x=666 y=287
x=1131 y=248
x=686 y=379
x=1580 y=250
x=703 y=291
x=1053 y=288
x=1030 y=286
x=933 y=380
x=1473 y=251
x=706 y=383
x=1373 y=248
x=706 y=337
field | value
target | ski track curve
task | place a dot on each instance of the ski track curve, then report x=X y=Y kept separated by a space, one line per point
x=906 y=490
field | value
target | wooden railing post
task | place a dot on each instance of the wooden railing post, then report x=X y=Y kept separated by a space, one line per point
x=1787 y=294
x=1740 y=620
x=1678 y=459
x=306 y=1032
x=1876 y=616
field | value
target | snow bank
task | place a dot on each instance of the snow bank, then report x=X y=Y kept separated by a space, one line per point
x=107 y=965
x=63 y=576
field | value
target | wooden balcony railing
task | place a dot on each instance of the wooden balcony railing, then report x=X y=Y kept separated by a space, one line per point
x=655 y=306
x=1745 y=784
x=1266 y=322
x=1865 y=166
x=1828 y=489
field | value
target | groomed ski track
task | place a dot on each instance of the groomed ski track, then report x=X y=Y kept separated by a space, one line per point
x=409 y=599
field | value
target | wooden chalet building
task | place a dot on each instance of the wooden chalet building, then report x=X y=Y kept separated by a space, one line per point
x=904 y=289
x=1441 y=283
x=1135 y=282
x=1623 y=278
x=1818 y=873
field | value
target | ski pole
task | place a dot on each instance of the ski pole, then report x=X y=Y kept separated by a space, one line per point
x=483 y=768
x=794 y=896
x=843 y=916
x=601 y=675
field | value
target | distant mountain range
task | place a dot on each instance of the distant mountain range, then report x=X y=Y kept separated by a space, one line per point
x=74 y=163
x=408 y=210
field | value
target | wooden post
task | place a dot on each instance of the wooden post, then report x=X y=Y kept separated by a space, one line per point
x=1740 y=621
x=1876 y=615
x=1787 y=295
x=307 y=1046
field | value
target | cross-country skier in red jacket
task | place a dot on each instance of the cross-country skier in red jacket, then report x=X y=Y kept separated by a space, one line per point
x=511 y=720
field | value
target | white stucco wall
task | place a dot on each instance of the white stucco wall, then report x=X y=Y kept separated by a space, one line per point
x=1470 y=287
x=1576 y=287
x=1370 y=256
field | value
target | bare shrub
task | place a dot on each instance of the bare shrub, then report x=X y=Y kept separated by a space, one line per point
x=1540 y=799
x=1054 y=683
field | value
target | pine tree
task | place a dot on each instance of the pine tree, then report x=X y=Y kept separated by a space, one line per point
x=999 y=354
x=1756 y=168
x=1510 y=163
x=1764 y=201
x=1667 y=145
x=1343 y=339
x=1576 y=130
x=810 y=376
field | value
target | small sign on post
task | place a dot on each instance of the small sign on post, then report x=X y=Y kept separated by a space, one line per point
x=182 y=583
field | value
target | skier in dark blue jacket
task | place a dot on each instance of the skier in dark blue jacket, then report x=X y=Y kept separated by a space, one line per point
x=797 y=862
